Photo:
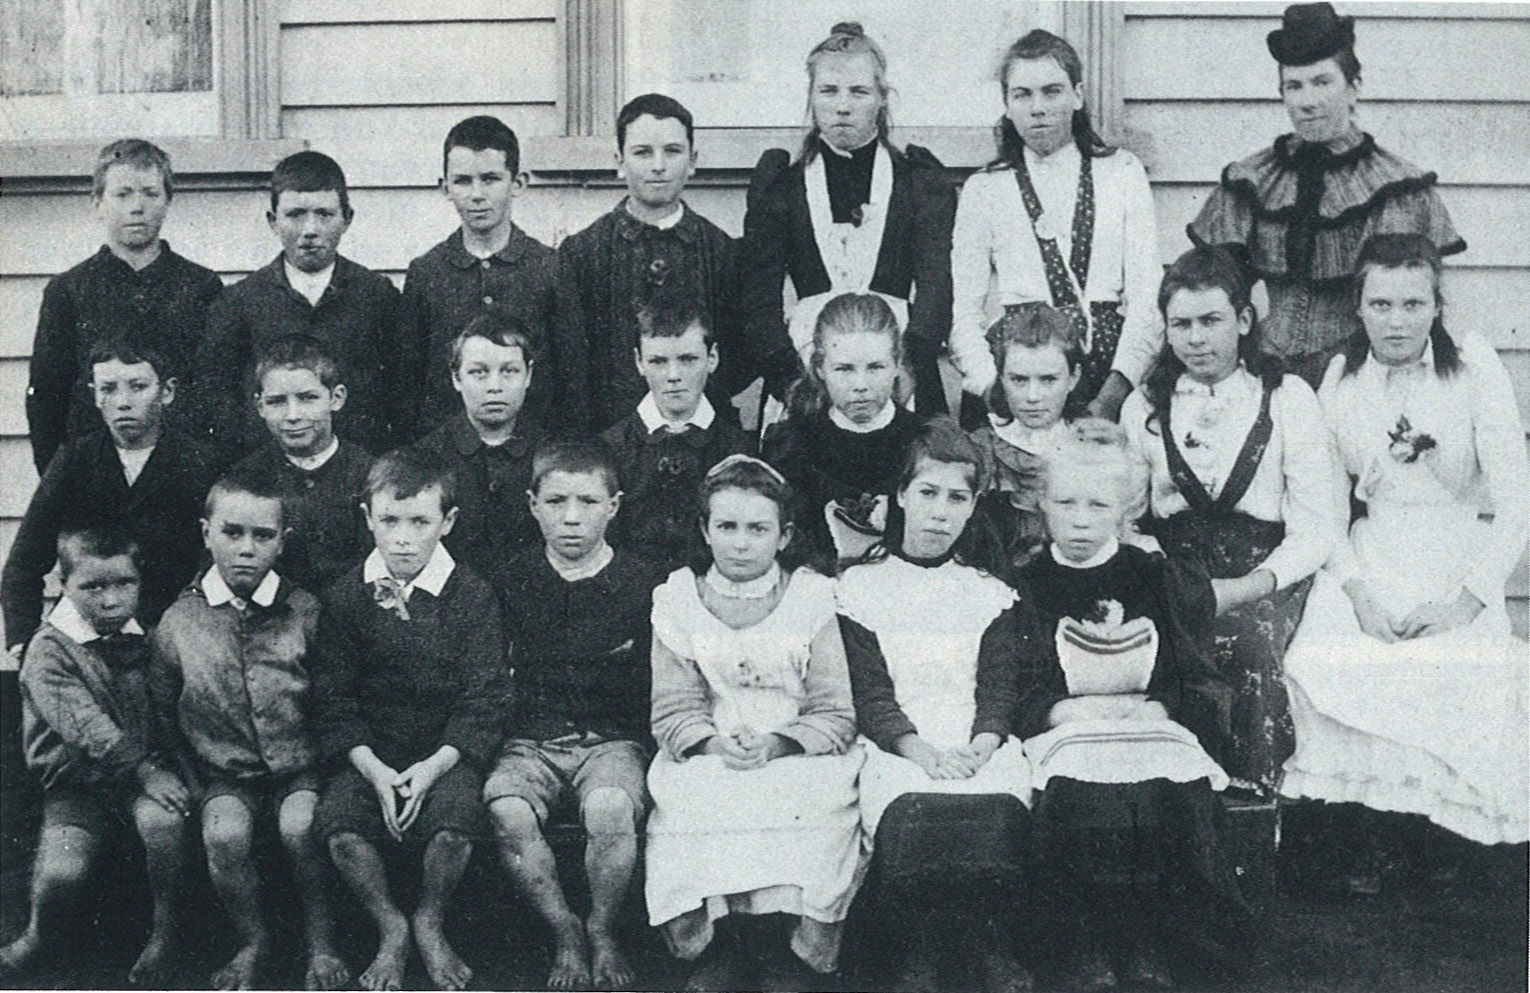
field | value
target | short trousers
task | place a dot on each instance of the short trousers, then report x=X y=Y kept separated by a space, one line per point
x=261 y=792
x=96 y=809
x=547 y=773
x=350 y=806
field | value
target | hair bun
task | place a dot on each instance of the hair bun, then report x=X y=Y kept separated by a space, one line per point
x=851 y=28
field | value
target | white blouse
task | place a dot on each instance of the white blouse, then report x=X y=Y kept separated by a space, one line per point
x=995 y=260
x=1294 y=481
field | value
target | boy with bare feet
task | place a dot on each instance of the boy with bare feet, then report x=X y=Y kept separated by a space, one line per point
x=411 y=682
x=228 y=676
x=578 y=619
x=86 y=731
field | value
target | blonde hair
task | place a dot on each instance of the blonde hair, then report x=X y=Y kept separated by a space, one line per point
x=1100 y=446
x=847 y=38
x=848 y=313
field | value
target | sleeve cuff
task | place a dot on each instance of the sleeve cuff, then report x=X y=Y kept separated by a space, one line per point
x=886 y=738
x=812 y=740
x=679 y=742
x=991 y=725
x=124 y=756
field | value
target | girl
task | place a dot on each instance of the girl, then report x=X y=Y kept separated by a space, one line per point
x=1038 y=361
x=1119 y=710
x=1241 y=484
x=1061 y=218
x=1407 y=689
x=845 y=437
x=852 y=214
x=934 y=643
x=754 y=785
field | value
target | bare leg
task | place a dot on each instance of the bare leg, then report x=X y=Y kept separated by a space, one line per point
x=227 y=830
x=326 y=970
x=64 y=857
x=446 y=859
x=362 y=869
x=530 y=863
x=610 y=856
x=163 y=832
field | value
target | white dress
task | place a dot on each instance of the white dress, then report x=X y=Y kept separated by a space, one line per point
x=780 y=839
x=1436 y=725
x=929 y=622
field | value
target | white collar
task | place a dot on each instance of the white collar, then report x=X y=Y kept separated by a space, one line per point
x=1036 y=441
x=308 y=463
x=431 y=578
x=66 y=617
x=883 y=418
x=1424 y=361
x=1066 y=157
x=757 y=588
x=133 y=460
x=310 y=284
x=664 y=223
x=1107 y=550
x=1237 y=383
x=216 y=590
x=584 y=570
x=648 y=413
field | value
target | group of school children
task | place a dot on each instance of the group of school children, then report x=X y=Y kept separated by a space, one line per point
x=449 y=565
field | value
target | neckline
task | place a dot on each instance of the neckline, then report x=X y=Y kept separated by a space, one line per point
x=758 y=588
x=933 y=562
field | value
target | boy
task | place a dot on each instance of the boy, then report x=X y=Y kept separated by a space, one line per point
x=489 y=443
x=648 y=241
x=86 y=730
x=135 y=286
x=666 y=446
x=580 y=634
x=487 y=266
x=309 y=288
x=410 y=682
x=228 y=679
x=319 y=476
x=138 y=474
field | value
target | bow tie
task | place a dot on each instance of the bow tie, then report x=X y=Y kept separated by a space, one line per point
x=389 y=594
x=122 y=651
x=690 y=435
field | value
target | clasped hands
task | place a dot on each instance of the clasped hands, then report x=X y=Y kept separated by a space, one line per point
x=1422 y=621
x=961 y=762
x=402 y=793
x=748 y=749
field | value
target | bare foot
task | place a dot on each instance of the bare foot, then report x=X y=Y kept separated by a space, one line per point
x=387 y=969
x=445 y=968
x=608 y=966
x=19 y=954
x=239 y=973
x=571 y=958
x=326 y=970
x=153 y=967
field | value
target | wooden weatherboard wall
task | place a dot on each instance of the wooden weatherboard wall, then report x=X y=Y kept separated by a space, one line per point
x=378 y=84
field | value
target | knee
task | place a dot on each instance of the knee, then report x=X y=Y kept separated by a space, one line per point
x=294 y=821
x=514 y=820
x=226 y=831
x=64 y=858
x=157 y=826
x=346 y=848
x=451 y=844
x=608 y=811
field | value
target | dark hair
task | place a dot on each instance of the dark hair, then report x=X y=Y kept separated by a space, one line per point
x=1348 y=62
x=847 y=313
x=128 y=351
x=242 y=479
x=133 y=152
x=502 y=329
x=847 y=38
x=1039 y=44
x=298 y=351
x=1031 y=325
x=654 y=105
x=671 y=315
x=481 y=133
x=1403 y=251
x=744 y=472
x=408 y=472
x=309 y=172
x=94 y=541
x=576 y=456
x=1205 y=268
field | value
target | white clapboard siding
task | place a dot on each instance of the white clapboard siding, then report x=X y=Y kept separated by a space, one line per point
x=425 y=125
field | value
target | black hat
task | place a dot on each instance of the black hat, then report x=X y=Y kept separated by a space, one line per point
x=1310 y=32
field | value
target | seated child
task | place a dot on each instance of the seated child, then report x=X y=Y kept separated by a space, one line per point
x=578 y=621
x=319 y=476
x=754 y=786
x=1120 y=705
x=229 y=681
x=846 y=435
x=410 y=684
x=86 y=730
x=934 y=642
x=310 y=289
x=487 y=267
x=489 y=443
x=134 y=287
x=138 y=475
x=675 y=435
x=1038 y=357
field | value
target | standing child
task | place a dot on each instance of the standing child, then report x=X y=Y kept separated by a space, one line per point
x=1038 y=359
x=1119 y=705
x=489 y=442
x=675 y=435
x=410 y=685
x=86 y=731
x=754 y=786
x=845 y=437
x=488 y=267
x=229 y=681
x=578 y=614
x=934 y=642
x=135 y=286
x=319 y=476
x=138 y=475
